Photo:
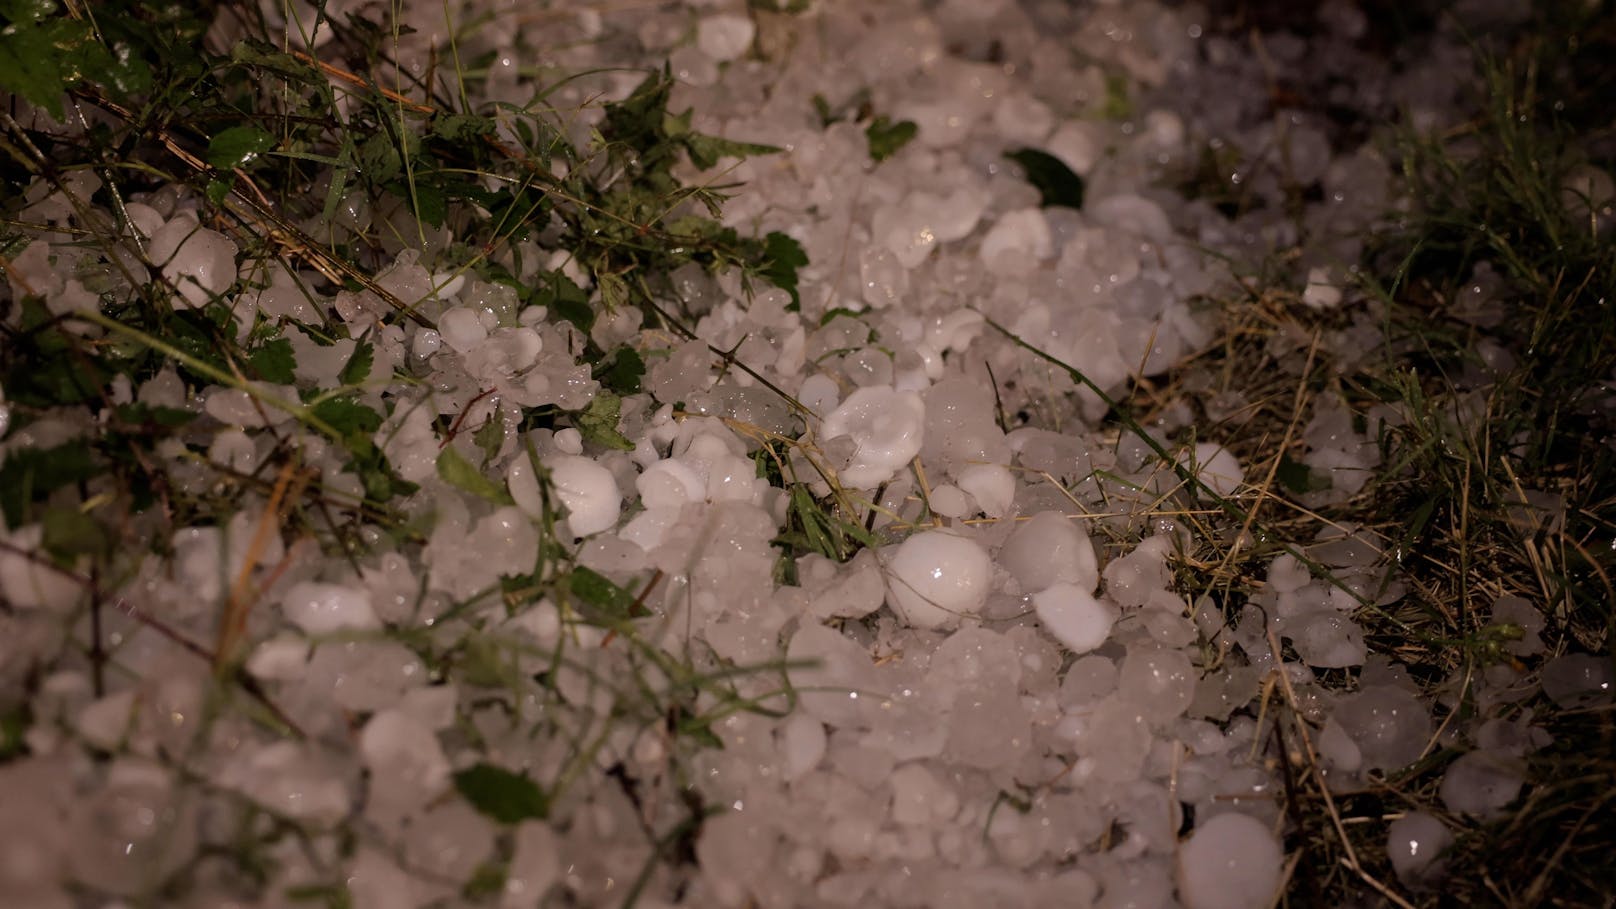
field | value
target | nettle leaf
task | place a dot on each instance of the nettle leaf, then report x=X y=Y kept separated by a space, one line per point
x=358 y=366
x=1055 y=182
x=29 y=475
x=457 y=128
x=237 y=146
x=273 y=361
x=347 y=416
x=782 y=256
x=507 y=797
x=374 y=471
x=463 y=475
x=605 y=598
x=886 y=137
x=621 y=370
x=705 y=151
x=598 y=424
x=490 y=437
x=564 y=298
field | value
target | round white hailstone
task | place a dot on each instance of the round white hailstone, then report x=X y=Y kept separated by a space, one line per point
x=1076 y=145
x=425 y=343
x=588 y=490
x=1480 y=784
x=1156 y=681
x=1074 y=616
x=375 y=881
x=1231 y=861
x=1390 y=726
x=326 y=608
x=886 y=427
x=948 y=501
x=403 y=755
x=235 y=407
x=103 y=723
x=1320 y=293
x=1578 y=679
x=669 y=483
x=1048 y=548
x=462 y=329
x=724 y=37
x=523 y=482
x=802 y=744
x=569 y=441
x=199 y=262
x=991 y=485
x=818 y=393
x=27 y=582
x=935 y=577
x=535 y=865
x=1217 y=468
x=1329 y=640
x=1415 y=843
x=883 y=279
x=1025 y=231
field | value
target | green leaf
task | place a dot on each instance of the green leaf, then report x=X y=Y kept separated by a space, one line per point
x=238 y=146
x=490 y=436
x=217 y=190
x=30 y=474
x=358 y=366
x=498 y=793
x=621 y=370
x=373 y=470
x=70 y=533
x=460 y=473
x=607 y=600
x=565 y=299
x=1055 y=182
x=705 y=150
x=886 y=137
x=458 y=128
x=598 y=424
x=778 y=6
x=32 y=58
x=782 y=256
x=347 y=416
x=273 y=362
x=380 y=160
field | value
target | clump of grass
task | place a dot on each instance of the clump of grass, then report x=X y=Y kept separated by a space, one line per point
x=278 y=145
x=1496 y=477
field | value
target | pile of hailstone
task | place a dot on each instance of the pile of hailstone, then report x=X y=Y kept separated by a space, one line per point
x=1005 y=700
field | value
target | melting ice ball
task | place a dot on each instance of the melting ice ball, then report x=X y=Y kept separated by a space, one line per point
x=1230 y=862
x=1216 y=467
x=1415 y=843
x=936 y=577
x=588 y=490
x=1074 y=616
x=886 y=427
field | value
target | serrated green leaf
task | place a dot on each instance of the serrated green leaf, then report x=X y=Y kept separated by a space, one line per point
x=705 y=151
x=274 y=361
x=238 y=146
x=507 y=797
x=347 y=416
x=621 y=370
x=358 y=366
x=1055 y=182
x=217 y=190
x=598 y=424
x=782 y=256
x=490 y=436
x=462 y=127
x=886 y=137
x=604 y=599
x=463 y=475
x=563 y=298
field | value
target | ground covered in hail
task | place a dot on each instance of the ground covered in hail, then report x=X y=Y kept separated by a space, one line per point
x=801 y=453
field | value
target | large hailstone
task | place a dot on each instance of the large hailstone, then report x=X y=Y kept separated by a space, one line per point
x=1232 y=861
x=886 y=427
x=936 y=577
x=588 y=490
